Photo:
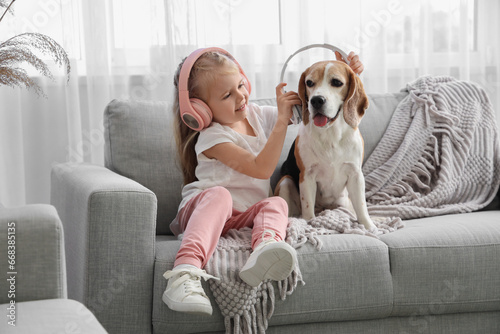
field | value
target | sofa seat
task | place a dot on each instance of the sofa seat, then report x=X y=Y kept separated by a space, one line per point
x=459 y=323
x=340 y=291
x=446 y=264
x=366 y=278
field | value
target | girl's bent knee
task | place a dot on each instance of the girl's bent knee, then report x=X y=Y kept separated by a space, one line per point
x=278 y=204
x=219 y=196
x=219 y=192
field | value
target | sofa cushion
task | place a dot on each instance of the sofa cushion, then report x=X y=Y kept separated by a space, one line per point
x=348 y=279
x=460 y=323
x=140 y=145
x=377 y=118
x=446 y=264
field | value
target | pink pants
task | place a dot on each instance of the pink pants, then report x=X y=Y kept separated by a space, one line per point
x=210 y=214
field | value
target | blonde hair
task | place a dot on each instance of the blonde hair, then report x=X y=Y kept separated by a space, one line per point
x=204 y=73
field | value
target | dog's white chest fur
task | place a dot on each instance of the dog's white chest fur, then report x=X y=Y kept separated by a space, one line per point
x=330 y=156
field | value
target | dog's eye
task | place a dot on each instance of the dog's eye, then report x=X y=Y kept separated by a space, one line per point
x=309 y=83
x=336 y=83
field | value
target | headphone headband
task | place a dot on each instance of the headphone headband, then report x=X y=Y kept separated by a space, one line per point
x=325 y=46
x=297 y=112
x=189 y=63
x=195 y=113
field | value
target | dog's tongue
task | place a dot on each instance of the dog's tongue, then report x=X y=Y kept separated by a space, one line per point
x=320 y=120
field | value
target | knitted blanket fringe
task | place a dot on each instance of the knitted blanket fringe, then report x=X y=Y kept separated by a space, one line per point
x=439 y=155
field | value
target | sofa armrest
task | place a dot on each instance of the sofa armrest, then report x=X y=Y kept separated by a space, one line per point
x=109 y=223
x=32 y=254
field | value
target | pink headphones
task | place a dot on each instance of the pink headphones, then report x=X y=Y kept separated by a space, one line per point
x=195 y=113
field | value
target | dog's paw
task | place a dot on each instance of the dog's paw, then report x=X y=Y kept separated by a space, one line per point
x=369 y=225
x=308 y=217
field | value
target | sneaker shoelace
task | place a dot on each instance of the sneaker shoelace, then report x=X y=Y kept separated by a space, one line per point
x=190 y=278
x=266 y=233
x=268 y=236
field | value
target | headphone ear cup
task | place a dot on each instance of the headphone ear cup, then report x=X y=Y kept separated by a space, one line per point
x=203 y=110
x=200 y=115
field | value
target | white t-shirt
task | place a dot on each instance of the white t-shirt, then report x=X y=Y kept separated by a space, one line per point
x=245 y=190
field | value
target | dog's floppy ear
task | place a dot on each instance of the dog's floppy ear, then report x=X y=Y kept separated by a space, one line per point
x=356 y=101
x=303 y=97
x=302 y=90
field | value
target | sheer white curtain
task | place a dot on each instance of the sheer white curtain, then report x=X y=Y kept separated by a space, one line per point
x=130 y=49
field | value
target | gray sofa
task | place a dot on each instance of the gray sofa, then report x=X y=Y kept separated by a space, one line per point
x=34 y=296
x=435 y=275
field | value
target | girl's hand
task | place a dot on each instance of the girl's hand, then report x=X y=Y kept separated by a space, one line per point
x=354 y=62
x=285 y=103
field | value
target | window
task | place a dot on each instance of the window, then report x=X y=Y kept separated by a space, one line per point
x=441 y=27
x=238 y=22
x=137 y=24
x=196 y=22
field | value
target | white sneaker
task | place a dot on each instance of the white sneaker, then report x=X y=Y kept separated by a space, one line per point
x=270 y=260
x=184 y=292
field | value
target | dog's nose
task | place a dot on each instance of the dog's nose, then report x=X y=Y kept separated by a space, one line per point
x=318 y=101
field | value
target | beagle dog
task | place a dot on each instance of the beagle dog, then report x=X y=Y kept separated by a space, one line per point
x=323 y=168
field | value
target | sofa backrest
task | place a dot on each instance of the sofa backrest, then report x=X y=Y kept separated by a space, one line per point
x=140 y=145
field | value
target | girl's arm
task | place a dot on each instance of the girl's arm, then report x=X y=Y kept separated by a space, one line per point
x=263 y=165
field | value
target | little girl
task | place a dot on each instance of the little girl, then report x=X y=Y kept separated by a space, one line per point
x=228 y=150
